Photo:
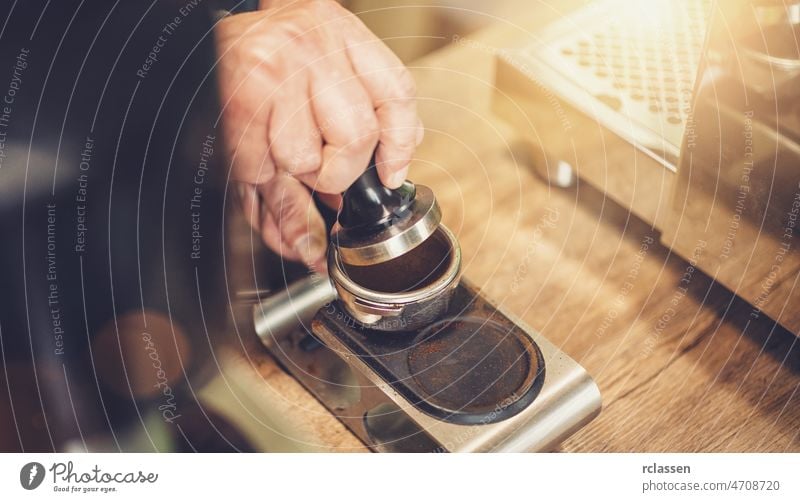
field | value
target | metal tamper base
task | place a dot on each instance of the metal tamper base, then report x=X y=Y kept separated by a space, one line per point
x=388 y=419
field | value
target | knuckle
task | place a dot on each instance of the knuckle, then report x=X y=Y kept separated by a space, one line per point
x=405 y=85
x=307 y=46
x=326 y=7
x=281 y=154
x=292 y=210
x=296 y=155
x=403 y=141
x=263 y=176
x=365 y=136
x=298 y=44
x=299 y=36
x=305 y=162
x=287 y=207
x=251 y=172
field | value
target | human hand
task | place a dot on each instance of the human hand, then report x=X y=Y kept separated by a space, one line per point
x=308 y=92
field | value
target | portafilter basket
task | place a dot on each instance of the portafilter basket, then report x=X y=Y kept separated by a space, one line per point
x=405 y=293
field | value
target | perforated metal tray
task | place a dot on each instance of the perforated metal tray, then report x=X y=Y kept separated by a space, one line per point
x=631 y=64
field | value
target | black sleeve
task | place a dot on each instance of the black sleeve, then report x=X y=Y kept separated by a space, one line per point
x=111 y=200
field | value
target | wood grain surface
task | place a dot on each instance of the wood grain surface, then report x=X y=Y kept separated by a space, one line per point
x=679 y=369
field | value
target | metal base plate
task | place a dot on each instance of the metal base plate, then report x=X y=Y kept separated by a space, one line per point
x=391 y=390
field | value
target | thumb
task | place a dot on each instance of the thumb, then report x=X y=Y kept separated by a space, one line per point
x=290 y=223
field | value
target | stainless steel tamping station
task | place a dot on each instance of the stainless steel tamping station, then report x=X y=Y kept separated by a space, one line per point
x=405 y=352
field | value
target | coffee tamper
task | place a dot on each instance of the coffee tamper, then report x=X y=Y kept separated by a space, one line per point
x=391 y=263
x=377 y=224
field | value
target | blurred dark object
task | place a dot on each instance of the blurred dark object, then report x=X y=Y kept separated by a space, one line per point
x=112 y=198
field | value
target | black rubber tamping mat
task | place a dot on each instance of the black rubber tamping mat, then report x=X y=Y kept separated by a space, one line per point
x=473 y=366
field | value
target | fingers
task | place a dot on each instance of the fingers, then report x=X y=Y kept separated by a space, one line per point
x=247 y=149
x=245 y=110
x=347 y=121
x=397 y=143
x=290 y=222
x=251 y=204
x=327 y=108
x=295 y=140
x=392 y=90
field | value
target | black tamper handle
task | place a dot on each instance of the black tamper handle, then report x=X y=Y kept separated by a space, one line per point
x=368 y=206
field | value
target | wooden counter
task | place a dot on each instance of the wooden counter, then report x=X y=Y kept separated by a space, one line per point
x=678 y=372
